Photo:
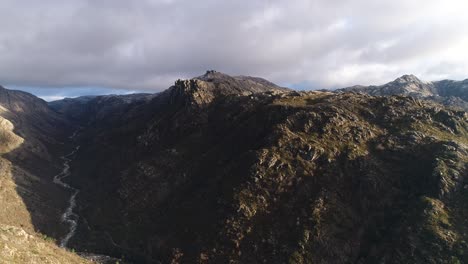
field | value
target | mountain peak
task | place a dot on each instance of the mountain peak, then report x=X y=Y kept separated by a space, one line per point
x=408 y=78
x=212 y=74
x=204 y=89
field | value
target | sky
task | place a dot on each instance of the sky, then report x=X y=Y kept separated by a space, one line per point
x=56 y=48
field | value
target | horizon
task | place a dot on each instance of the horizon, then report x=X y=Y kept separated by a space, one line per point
x=51 y=94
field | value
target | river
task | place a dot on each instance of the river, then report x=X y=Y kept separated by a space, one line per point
x=69 y=217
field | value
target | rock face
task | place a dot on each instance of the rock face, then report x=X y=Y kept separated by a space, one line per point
x=447 y=92
x=221 y=169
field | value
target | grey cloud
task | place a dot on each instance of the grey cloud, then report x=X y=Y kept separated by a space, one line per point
x=145 y=45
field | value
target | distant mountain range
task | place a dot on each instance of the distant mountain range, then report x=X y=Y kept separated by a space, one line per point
x=447 y=92
x=226 y=169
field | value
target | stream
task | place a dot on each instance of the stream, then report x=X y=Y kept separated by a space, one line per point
x=68 y=217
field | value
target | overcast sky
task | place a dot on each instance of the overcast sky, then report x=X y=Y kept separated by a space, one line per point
x=57 y=48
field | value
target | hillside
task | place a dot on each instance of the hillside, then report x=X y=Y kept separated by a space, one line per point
x=30 y=204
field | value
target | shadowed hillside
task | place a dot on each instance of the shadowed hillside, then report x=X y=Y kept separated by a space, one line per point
x=29 y=203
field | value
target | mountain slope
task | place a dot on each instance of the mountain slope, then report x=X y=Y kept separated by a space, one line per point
x=30 y=204
x=18 y=246
x=214 y=171
x=447 y=92
x=38 y=134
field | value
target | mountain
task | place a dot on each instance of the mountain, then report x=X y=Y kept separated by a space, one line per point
x=447 y=92
x=221 y=169
x=83 y=106
x=235 y=169
x=197 y=91
x=32 y=135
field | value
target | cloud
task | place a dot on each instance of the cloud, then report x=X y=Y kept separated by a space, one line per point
x=147 y=44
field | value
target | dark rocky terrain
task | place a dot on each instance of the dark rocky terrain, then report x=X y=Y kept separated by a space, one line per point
x=447 y=92
x=221 y=169
x=214 y=170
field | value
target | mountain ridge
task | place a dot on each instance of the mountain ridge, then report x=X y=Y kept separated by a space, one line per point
x=447 y=92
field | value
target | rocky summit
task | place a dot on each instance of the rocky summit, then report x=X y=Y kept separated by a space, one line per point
x=235 y=169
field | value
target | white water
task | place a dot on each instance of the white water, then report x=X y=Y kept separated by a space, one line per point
x=68 y=217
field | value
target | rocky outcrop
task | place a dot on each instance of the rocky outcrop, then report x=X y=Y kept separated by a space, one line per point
x=202 y=90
